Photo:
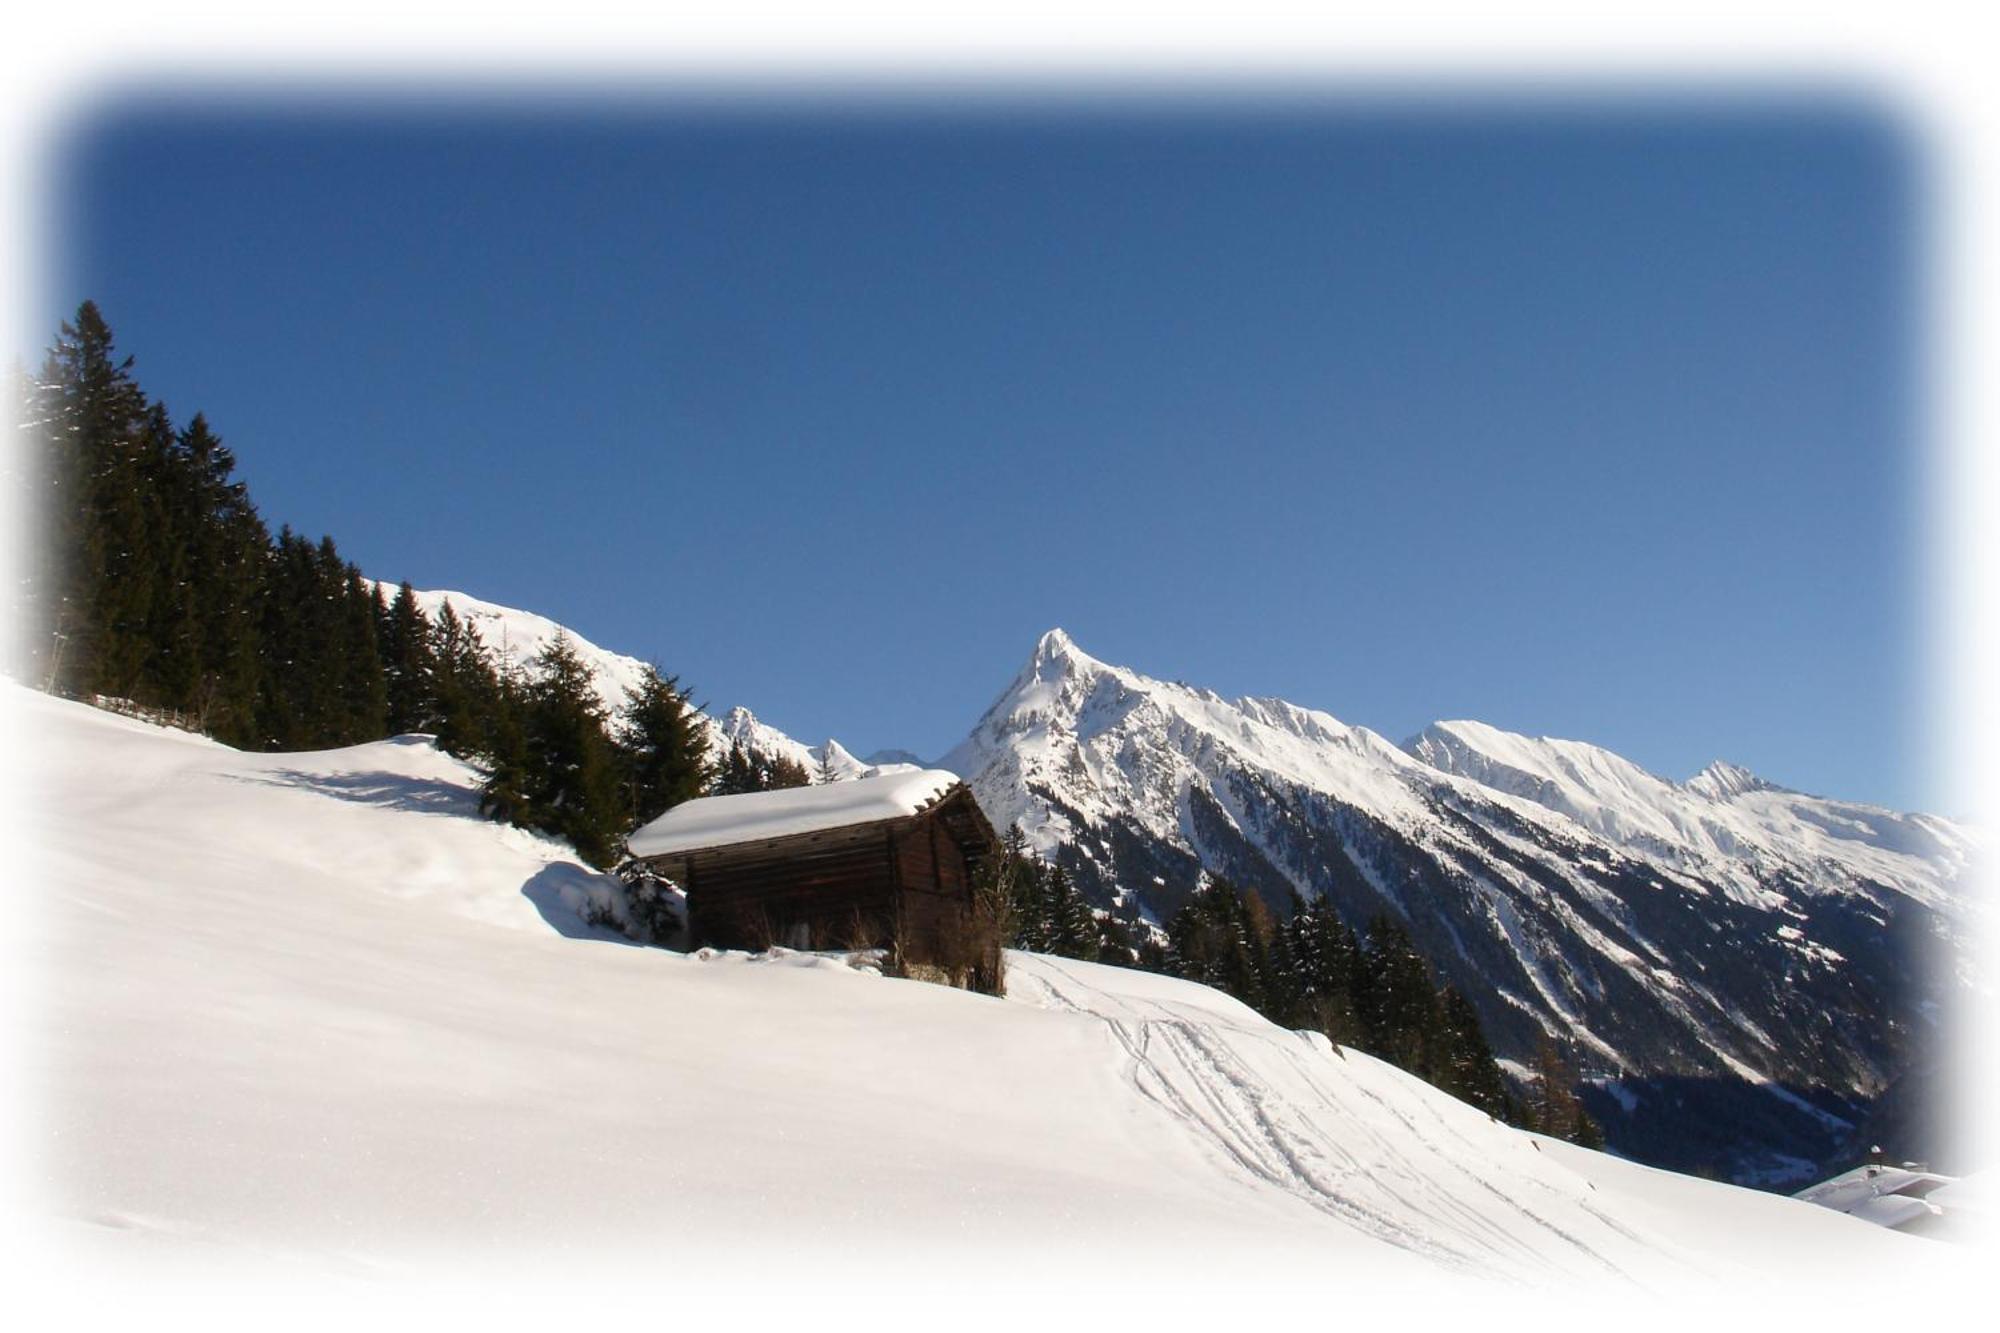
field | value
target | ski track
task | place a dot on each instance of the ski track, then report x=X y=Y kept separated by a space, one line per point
x=1194 y=1070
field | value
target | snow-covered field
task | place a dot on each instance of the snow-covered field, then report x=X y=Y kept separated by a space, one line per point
x=309 y=1015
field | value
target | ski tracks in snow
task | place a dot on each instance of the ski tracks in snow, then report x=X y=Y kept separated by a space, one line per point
x=1281 y=1113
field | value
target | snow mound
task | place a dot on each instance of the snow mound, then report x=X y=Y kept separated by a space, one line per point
x=719 y=821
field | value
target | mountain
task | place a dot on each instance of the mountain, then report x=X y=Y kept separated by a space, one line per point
x=514 y=637
x=308 y=1014
x=1742 y=970
x=740 y=726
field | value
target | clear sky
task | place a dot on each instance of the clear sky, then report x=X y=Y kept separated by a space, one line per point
x=1592 y=423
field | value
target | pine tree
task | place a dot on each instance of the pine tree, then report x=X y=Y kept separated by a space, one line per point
x=409 y=664
x=665 y=751
x=824 y=771
x=1469 y=1070
x=746 y=770
x=229 y=550
x=572 y=775
x=169 y=621
x=1323 y=954
x=1034 y=923
x=363 y=711
x=1402 y=1020
x=736 y=774
x=1554 y=1108
x=85 y=418
x=1118 y=941
x=1072 y=925
x=779 y=773
x=506 y=794
x=467 y=688
x=295 y=701
x=1218 y=939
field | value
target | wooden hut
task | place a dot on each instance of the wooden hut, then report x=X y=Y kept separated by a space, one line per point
x=880 y=862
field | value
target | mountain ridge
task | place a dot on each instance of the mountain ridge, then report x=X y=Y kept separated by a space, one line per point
x=1579 y=893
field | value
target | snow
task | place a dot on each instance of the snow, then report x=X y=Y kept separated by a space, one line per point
x=719 y=821
x=311 y=1012
x=1904 y=1197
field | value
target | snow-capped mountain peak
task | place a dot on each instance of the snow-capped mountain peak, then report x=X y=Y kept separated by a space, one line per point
x=1722 y=780
x=1055 y=643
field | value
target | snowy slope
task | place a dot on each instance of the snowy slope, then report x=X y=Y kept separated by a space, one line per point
x=1697 y=940
x=514 y=637
x=310 y=1008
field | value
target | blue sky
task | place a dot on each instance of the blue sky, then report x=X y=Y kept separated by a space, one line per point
x=1594 y=421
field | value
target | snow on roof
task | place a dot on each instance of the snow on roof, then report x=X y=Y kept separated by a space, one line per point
x=720 y=821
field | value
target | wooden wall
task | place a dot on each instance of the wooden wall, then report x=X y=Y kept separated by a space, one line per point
x=906 y=883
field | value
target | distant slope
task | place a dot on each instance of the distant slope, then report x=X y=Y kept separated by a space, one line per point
x=309 y=1006
x=516 y=637
x=1744 y=969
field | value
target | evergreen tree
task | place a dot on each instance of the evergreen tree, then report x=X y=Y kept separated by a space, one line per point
x=779 y=772
x=572 y=775
x=1215 y=939
x=1119 y=941
x=228 y=548
x=409 y=664
x=1469 y=1071
x=1072 y=925
x=467 y=689
x=1554 y=1108
x=296 y=699
x=665 y=751
x=363 y=691
x=167 y=619
x=736 y=774
x=747 y=770
x=1034 y=923
x=824 y=771
x=506 y=793
x=86 y=598
x=1323 y=955
x=1401 y=1020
